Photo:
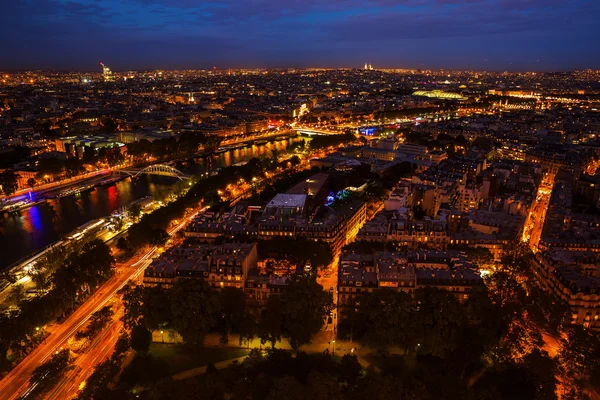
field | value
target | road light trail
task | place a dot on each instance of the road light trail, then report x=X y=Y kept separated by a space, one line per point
x=16 y=382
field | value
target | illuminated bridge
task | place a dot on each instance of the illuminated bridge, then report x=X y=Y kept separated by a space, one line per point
x=310 y=131
x=157 y=169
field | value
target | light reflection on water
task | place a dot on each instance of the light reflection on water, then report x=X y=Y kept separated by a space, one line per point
x=34 y=228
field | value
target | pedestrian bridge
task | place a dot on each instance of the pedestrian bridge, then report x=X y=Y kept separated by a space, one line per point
x=157 y=169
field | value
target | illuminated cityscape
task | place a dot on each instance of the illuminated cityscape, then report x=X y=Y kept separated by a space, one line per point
x=347 y=231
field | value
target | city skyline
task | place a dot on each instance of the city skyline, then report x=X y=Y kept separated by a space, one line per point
x=493 y=35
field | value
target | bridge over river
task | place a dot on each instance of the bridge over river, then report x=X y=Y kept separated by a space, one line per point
x=156 y=169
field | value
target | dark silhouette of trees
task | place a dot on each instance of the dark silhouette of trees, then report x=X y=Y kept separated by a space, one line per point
x=194 y=307
x=8 y=182
x=141 y=339
x=304 y=308
x=270 y=327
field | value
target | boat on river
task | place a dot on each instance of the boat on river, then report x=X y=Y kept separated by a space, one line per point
x=22 y=205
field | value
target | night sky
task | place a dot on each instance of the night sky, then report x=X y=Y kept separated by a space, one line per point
x=147 y=34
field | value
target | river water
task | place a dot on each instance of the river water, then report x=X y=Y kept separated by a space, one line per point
x=34 y=228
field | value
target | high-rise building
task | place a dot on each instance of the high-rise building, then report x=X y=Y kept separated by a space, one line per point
x=108 y=75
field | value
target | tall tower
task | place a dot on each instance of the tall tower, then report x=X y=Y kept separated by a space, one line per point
x=108 y=75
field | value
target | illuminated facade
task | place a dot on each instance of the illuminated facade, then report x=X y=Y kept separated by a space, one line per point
x=107 y=73
x=439 y=94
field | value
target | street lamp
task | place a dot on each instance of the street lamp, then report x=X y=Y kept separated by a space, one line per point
x=333 y=352
x=163 y=336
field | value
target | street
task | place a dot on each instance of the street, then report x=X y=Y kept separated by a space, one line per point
x=534 y=224
x=15 y=383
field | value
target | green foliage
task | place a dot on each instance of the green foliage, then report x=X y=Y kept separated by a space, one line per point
x=194 y=307
x=51 y=369
x=579 y=358
x=135 y=211
x=158 y=237
x=141 y=339
x=270 y=328
x=97 y=385
x=304 y=307
x=480 y=256
x=320 y=142
x=8 y=183
x=233 y=308
x=17 y=293
x=382 y=318
x=123 y=244
x=15 y=155
x=97 y=322
x=80 y=272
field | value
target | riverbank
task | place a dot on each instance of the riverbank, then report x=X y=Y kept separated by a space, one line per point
x=101 y=228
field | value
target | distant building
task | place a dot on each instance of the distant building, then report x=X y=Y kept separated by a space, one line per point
x=107 y=74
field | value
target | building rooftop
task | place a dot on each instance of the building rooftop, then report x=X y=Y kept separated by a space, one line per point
x=286 y=200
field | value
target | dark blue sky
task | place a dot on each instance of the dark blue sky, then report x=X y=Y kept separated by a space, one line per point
x=145 y=34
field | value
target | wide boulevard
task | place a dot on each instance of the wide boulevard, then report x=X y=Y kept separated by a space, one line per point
x=16 y=383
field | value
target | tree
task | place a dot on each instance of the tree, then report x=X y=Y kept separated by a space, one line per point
x=40 y=276
x=248 y=328
x=438 y=322
x=375 y=191
x=322 y=386
x=158 y=237
x=90 y=266
x=295 y=160
x=17 y=293
x=233 y=303
x=286 y=388
x=297 y=251
x=156 y=309
x=349 y=369
x=542 y=371
x=109 y=125
x=31 y=183
x=384 y=319
x=52 y=368
x=98 y=320
x=579 y=357
x=141 y=339
x=305 y=306
x=135 y=211
x=133 y=300
x=8 y=182
x=123 y=244
x=194 y=308
x=49 y=167
x=270 y=327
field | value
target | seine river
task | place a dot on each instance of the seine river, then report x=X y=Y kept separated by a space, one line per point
x=34 y=228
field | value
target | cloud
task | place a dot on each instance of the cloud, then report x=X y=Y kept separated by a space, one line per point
x=138 y=33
